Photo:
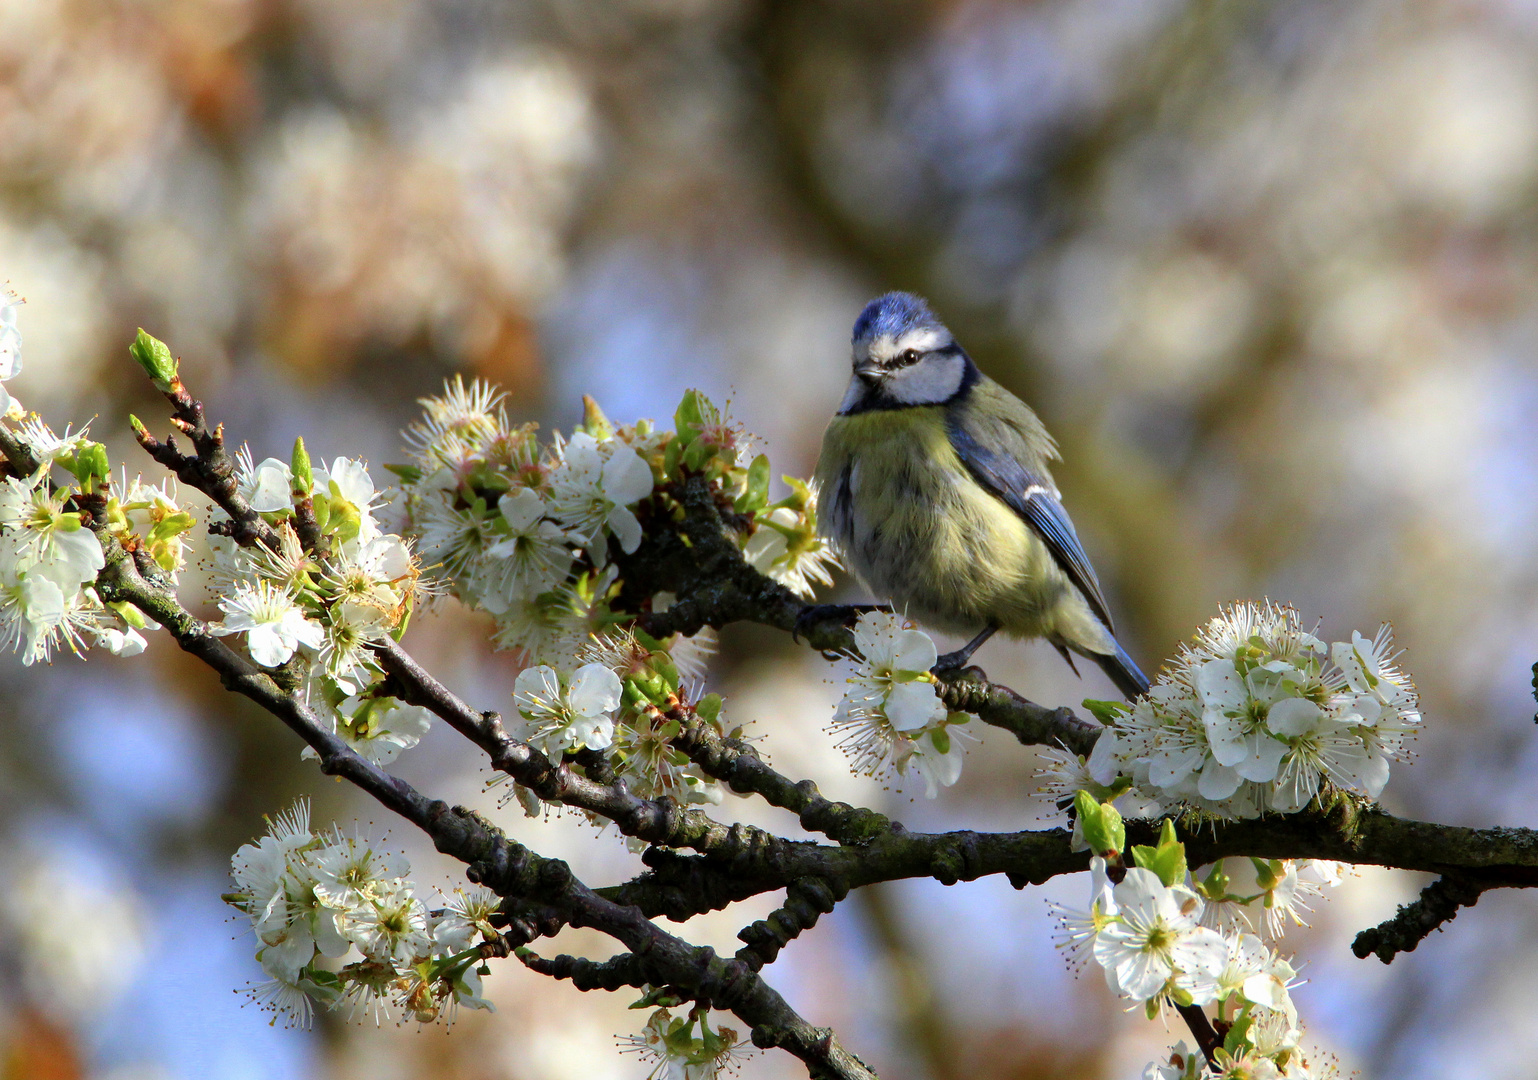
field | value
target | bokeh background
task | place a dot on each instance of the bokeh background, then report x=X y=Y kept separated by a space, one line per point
x=1268 y=269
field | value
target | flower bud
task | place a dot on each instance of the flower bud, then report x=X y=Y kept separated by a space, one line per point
x=1101 y=825
x=594 y=422
x=91 y=466
x=299 y=466
x=155 y=359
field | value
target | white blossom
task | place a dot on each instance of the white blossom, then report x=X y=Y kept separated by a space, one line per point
x=801 y=566
x=1321 y=745
x=593 y=489
x=390 y=926
x=936 y=754
x=533 y=556
x=568 y=715
x=352 y=494
x=274 y=625
x=450 y=535
x=377 y=728
x=350 y=870
x=297 y=925
x=1155 y=938
x=467 y=916
x=1080 y=926
x=1183 y=1063
x=45 y=445
x=1248 y=1064
x=268 y=487
x=1235 y=711
x=1255 y=716
x=46 y=535
x=464 y=418
x=891 y=715
x=38 y=612
x=290 y=1000
x=675 y=1053
x=121 y=642
x=345 y=653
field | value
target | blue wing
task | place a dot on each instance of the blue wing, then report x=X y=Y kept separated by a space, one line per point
x=1029 y=493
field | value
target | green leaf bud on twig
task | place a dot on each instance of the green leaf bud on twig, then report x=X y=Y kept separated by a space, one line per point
x=1101 y=824
x=91 y=466
x=1168 y=860
x=156 y=360
x=299 y=466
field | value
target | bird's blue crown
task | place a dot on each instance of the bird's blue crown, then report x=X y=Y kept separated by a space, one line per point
x=894 y=315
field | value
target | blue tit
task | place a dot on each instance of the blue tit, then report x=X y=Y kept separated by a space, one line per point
x=934 y=485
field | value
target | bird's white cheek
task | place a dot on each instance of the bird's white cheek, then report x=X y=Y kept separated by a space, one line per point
x=934 y=381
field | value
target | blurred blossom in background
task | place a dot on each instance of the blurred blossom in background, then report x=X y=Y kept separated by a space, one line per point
x=1268 y=270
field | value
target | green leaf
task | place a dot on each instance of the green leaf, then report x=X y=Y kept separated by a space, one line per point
x=696 y=454
x=756 y=496
x=656 y=996
x=400 y=627
x=129 y=614
x=687 y=417
x=1238 y=1038
x=670 y=454
x=409 y=474
x=155 y=358
x=663 y=665
x=708 y=708
x=1107 y=712
x=91 y=466
x=1215 y=885
x=1168 y=860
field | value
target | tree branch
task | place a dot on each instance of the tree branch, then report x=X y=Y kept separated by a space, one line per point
x=508 y=868
x=1438 y=903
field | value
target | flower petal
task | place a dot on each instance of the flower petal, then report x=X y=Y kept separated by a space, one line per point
x=913 y=650
x=595 y=690
x=626 y=477
x=1294 y=716
x=521 y=509
x=911 y=706
x=626 y=529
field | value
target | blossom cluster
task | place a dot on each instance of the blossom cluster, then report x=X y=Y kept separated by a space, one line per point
x=339 y=924
x=319 y=610
x=1257 y=714
x=891 y=718
x=623 y=695
x=526 y=531
x=675 y=1052
x=1163 y=937
x=49 y=555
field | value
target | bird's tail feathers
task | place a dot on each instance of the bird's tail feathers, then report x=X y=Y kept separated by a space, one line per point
x=1124 y=672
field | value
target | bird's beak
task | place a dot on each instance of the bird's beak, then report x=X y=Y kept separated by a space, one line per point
x=869 y=373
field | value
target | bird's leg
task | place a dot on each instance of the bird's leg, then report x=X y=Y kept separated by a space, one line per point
x=958 y=659
x=815 y=615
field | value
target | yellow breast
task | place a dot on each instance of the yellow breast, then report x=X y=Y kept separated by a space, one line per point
x=916 y=527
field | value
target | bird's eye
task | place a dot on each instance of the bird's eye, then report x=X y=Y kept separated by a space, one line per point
x=909 y=356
